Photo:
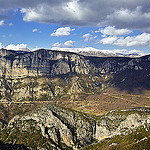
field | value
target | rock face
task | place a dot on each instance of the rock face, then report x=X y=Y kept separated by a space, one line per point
x=41 y=62
x=46 y=74
x=56 y=124
x=116 y=123
x=73 y=129
x=51 y=63
x=20 y=74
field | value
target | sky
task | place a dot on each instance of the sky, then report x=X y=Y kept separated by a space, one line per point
x=115 y=25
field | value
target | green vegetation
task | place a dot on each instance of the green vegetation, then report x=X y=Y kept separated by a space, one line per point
x=31 y=136
x=137 y=140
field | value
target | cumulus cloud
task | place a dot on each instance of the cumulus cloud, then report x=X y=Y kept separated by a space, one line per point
x=111 y=30
x=69 y=43
x=63 y=31
x=1 y=22
x=35 y=30
x=17 y=47
x=131 y=18
x=130 y=14
x=139 y=40
x=109 y=40
x=88 y=37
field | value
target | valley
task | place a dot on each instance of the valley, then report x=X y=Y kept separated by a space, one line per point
x=69 y=101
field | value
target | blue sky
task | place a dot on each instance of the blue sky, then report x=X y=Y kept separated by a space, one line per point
x=75 y=24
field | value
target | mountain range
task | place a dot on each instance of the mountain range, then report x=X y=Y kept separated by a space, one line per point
x=65 y=99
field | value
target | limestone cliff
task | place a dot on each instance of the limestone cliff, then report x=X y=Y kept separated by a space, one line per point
x=46 y=74
x=41 y=62
x=14 y=64
x=62 y=128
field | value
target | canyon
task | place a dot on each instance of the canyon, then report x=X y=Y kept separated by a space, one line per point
x=64 y=100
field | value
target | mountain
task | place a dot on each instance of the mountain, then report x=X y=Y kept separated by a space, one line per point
x=65 y=99
x=55 y=75
x=121 y=70
x=51 y=127
x=90 y=51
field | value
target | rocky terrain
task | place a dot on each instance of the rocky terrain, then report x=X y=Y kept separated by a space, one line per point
x=59 y=128
x=44 y=94
x=45 y=73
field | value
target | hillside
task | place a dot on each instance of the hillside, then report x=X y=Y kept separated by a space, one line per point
x=77 y=92
x=52 y=127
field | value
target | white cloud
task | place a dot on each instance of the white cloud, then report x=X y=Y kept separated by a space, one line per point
x=10 y=24
x=103 y=35
x=63 y=12
x=139 y=40
x=130 y=14
x=22 y=47
x=8 y=36
x=111 y=30
x=69 y=43
x=136 y=17
x=63 y=31
x=109 y=40
x=57 y=45
x=17 y=47
x=34 y=30
x=1 y=22
x=88 y=37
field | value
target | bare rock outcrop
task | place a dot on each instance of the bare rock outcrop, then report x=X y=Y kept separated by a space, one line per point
x=74 y=129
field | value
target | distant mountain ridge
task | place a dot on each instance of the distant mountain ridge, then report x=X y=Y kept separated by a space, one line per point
x=90 y=51
x=57 y=74
x=53 y=63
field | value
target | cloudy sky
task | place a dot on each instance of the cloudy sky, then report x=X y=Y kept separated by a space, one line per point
x=102 y=24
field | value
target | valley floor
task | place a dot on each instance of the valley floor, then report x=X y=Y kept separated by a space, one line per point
x=95 y=104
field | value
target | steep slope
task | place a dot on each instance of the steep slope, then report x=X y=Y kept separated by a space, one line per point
x=52 y=127
x=94 y=85
x=41 y=62
x=45 y=73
